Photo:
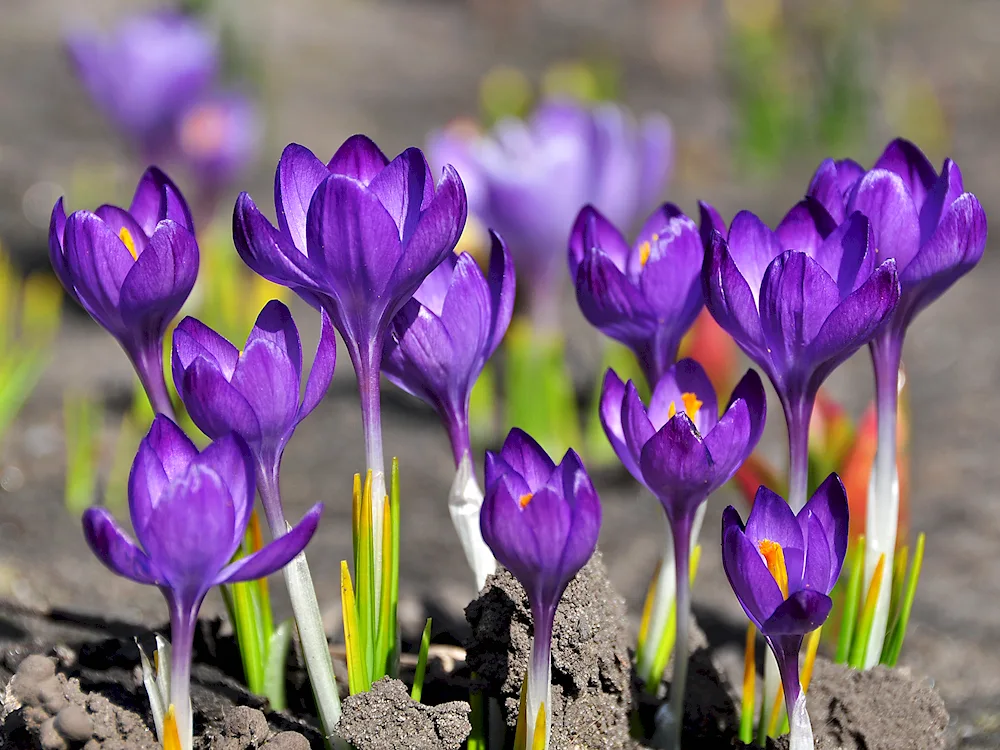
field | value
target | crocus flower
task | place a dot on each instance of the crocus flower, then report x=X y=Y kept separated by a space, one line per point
x=146 y=72
x=534 y=176
x=542 y=523
x=190 y=512
x=799 y=301
x=131 y=270
x=253 y=392
x=936 y=233
x=355 y=237
x=646 y=296
x=437 y=347
x=782 y=567
x=682 y=451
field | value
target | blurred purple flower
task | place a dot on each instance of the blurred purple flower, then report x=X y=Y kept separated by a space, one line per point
x=440 y=341
x=131 y=270
x=646 y=296
x=542 y=522
x=254 y=392
x=799 y=301
x=146 y=72
x=189 y=511
x=682 y=451
x=782 y=567
x=531 y=178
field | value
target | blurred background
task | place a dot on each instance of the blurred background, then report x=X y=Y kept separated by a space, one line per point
x=758 y=91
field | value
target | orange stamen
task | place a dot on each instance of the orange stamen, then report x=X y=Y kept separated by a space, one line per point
x=126 y=237
x=645 y=249
x=775 y=558
x=525 y=499
x=691 y=406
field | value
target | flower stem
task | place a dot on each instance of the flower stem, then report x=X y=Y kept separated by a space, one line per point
x=465 y=501
x=540 y=671
x=882 y=513
x=305 y=609
x=367 y=366
x=457 y=425
x=182 y=623
x=798 y=412
x=148 y=364
x=682 y=526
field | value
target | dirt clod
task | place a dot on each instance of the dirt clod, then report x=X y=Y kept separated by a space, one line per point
x=286 y=741
x=591 y=670
x=386 y=718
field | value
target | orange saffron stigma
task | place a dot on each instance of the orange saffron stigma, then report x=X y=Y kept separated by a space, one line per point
x=525 y=499
x=644 y=252
x=691 y=406
x=775 y=557
x=126 y=237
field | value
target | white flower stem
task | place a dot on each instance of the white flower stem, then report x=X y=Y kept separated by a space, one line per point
x=465 y=500
x=800 y=735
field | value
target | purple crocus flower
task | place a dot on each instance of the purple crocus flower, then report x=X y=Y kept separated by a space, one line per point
x=936 y=233
x=131 y=270
x=190 y=512
x=355 y=237
x=146 y=72
x=542 y=523
x=254 y=392
x=534 y=176
x=682 y=451
x=782 y=567
x=799 y=301
x=646 y=296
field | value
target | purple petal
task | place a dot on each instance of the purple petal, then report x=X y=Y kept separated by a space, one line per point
x=506 y=531
x=321 y=373
x=503 y=283
x=99 y=262
x=848 y=253
x=548 y=518
x=298 y=175
x=275 y=555
x=275 y=325
x=677 y=466
x=612 y=398
x=161 y=279
x=157 y=198
x=417 y=355
x=57 y=229
x=527 y=458
x=612 y=303
x=733 y=438
x=801 y=613
x=467 y=316
x=754 y=586
x=173 y=449
x=883 y=197
x=827 y=507
x=731 y=301
x=826 y=189
x=771 y=519
x=670 y=278
x=579 y=493
x=592 y=231
x=269 y=382
x=945 y=191
x=405 y=187
x=752 y=247
x=686 y=376
x=917 y=173
x=856 y=320
x=229 y=458
x=358 y=158
x=266 y=250
x=805 y=227
x=710 y=220
x=636 y=427
x=118 y=219
x=215 y=405
x=193 y=339
x=115 y=549
x=796 y=299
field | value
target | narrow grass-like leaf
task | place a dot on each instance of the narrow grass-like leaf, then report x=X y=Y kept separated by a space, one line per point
x=477 y=718
x=421 y=670
x=357 y=674
x=157 y=702
x=255 y=542
x=867 y=617
x=647 y=613
x=521 y=730
x=749 y=685
x=538 y=743
x=82 y=420
x=248 y=635
x=274 y=667
x=776 y=712
x=895 y=641
x=394 y=504
x=171 y=735
x=366 y=583
x=665 y=647
x=356 y=519
x=384 y=645
x=852 y=596
x=898 y=579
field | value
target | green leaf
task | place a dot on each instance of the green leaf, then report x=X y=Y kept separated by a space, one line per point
x=394 y=506
x=274 y=668
x=477 y=717
x=749 y=685
x=852 y=596
x=665 y=646
x=385 y=640
x=366 y=580
x=418 y=675
x=82 y=419
x=894 y=644
x=867 y=617
x=357 y=673
x=248 y=635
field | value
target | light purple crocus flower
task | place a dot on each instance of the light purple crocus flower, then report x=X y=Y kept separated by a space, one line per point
x=190 y=512
x=782 y=567
x=254 y=392
x=542 y=522
x=355 y=237
x=146 y=72
x=648 y=295
x=936 y=233
x=799 y=301
x=131 y=270
x=532 y=178
x=682 y=451
x=440 y=341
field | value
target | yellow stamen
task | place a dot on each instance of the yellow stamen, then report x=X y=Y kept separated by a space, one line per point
x=171 y=735
x=126 y=237
x=525 y=499
x=691 y=406
x=644 y=251
x=775 y=558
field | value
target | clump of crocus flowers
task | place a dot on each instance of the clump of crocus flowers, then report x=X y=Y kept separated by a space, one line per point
x=368 y=242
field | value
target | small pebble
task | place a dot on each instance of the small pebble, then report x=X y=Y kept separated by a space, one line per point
x=52 y=695
x=74 y=724
x=246 y=722
x=36 y=668
x=286 y=741
x=50 y=739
